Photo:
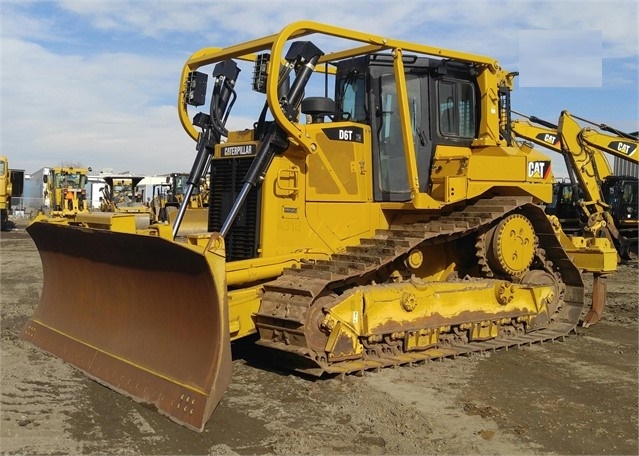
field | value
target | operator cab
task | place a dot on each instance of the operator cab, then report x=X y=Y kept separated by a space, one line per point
x=443 y=106
x=622 y=194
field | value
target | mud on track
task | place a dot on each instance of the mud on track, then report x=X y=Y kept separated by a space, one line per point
x=573 y=397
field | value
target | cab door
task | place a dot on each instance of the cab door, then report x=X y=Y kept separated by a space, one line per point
x=389 y=163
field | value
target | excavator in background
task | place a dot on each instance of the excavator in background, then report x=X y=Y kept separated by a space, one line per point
x=621 y=193
x=565 y=205
x=376 y=213
x=593 y=200
x=5 y=192
x=168 y=197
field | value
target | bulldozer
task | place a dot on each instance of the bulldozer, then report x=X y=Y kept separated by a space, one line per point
x=121 y=193
x=377 y=213
x=122 y=207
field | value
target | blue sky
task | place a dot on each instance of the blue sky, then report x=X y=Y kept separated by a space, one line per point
x=94 y=83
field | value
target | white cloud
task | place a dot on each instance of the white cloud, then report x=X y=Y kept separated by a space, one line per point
x=101 y=110
x=560 y=58
x=98 y=79
x=476 y=21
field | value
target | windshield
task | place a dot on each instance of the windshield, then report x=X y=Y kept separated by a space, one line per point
x=70 y=180
x=629 y=192
x=352 y=99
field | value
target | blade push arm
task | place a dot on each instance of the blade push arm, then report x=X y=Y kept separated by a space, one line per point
x=213 y=128
x=303 y=55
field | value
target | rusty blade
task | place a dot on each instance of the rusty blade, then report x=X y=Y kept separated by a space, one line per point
x=140 y=314
x=599 y=292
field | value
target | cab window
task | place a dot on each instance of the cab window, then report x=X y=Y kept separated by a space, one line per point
x=353 y=96
x=456 y=101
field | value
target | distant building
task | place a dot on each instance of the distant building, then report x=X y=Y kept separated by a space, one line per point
x=626 y=168
x=95 y=184
x=34 y=190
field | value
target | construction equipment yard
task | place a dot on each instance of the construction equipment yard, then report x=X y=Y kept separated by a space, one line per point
x=576 y=396
x=370 y=271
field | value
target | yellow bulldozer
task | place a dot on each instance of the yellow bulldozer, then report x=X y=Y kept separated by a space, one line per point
x=376 y=213
x=121 y=193
x=5 y=192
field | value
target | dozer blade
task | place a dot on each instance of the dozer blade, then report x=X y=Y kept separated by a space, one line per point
x=140 y=314
x=195 y=221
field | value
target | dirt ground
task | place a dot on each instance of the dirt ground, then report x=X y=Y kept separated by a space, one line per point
x=578 y=396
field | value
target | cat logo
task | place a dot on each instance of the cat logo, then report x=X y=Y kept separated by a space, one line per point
x=548 y=138
x=623 y=147
x=539 y=169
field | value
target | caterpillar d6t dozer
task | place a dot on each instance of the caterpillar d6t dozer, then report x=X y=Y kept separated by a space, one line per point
x=377 y=212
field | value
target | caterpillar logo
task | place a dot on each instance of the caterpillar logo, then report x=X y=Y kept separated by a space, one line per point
x=539 y=169
x=238 y=150
x=623 y=147
x=548 y=138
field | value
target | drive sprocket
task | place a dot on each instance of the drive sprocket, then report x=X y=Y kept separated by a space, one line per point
x=511 y=246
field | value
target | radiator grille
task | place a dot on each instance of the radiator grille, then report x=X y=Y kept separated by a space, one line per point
x=226 y=183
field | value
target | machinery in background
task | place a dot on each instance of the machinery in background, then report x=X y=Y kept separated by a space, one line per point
x=122 y=206
x=593 y=200
x=565 y=206
x=168 y=197
x=375 y=212
x=121 y=194
x=65 y=194
x=5 y=192
x=621 y=193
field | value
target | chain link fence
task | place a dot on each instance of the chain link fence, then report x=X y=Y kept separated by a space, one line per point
x=25 y=207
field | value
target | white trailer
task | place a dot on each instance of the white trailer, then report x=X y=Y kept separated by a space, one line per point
x=35 y=190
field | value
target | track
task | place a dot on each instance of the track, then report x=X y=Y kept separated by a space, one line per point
x=286 y=321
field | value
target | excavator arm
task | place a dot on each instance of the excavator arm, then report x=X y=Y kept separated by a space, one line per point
x=583 y=150
x=618 y=143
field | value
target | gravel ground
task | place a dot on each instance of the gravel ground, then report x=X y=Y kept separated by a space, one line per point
x=578 y=396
